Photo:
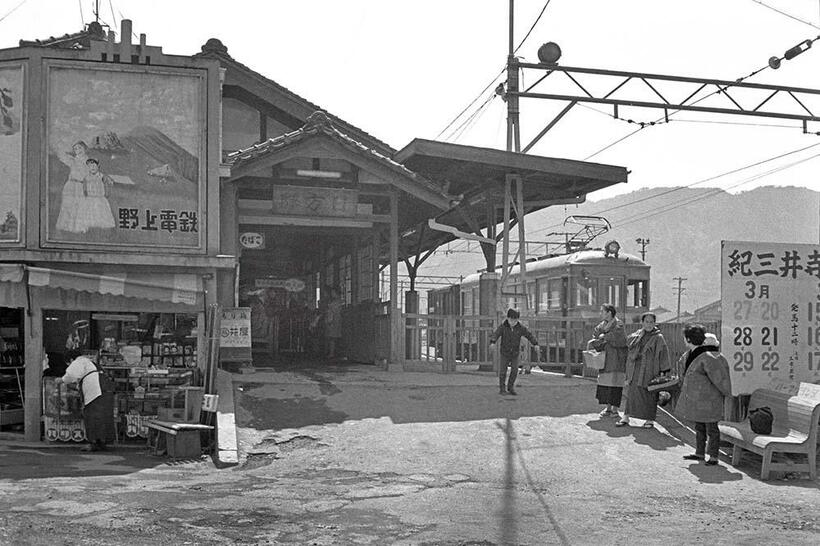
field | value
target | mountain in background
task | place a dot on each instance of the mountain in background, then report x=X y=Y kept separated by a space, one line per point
x=684 y=226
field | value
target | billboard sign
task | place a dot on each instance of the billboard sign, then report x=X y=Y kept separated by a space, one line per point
x=125 y=158
x=770 y=297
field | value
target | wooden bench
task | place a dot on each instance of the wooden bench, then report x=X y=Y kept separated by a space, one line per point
x=178 y=440
x=794 y=430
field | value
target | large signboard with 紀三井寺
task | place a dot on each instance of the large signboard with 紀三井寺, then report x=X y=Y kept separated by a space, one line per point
x=770 y=298
x=125 y=159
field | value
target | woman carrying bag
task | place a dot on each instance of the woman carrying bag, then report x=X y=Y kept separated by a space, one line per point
x=609 y=337
x=648 y=357
x=705 y=384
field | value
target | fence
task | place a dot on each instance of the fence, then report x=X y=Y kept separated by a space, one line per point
x=449 y=343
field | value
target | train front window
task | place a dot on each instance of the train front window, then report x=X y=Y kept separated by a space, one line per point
x=611 y=289
x=636 y=293
x=585 y=292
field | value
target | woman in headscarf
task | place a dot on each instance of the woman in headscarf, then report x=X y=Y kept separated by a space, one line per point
x=609 y=336
x=648 y=357
x=705 y=384
x=98 y=399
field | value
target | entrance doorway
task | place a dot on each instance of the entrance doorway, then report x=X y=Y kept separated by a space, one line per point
x=302 y=286
x=12 y=370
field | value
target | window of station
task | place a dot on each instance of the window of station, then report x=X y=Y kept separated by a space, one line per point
x=637 y=293
x=365 y=262
x=346 y=278
x=467 y=302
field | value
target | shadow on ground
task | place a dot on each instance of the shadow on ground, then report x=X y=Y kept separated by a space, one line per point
x=322 y=400
x=24 y=463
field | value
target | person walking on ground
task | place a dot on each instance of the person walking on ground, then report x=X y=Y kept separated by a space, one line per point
x=647 y=358
x=510 y=332
x=98 y=399
x=705 y=384
x=609 y=336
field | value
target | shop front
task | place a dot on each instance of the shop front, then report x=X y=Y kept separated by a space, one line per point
x=143 y=329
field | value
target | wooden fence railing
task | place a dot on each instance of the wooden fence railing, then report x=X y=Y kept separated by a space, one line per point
x=448 y=343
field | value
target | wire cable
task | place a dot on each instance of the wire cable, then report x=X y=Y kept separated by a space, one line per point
x=786 y=14
x=12 y=10
x=532 y=27
x=494 y=80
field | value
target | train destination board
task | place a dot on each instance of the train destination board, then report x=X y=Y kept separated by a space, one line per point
x=770 y=298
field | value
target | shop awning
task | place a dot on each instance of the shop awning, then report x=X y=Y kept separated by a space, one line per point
x=167 y=287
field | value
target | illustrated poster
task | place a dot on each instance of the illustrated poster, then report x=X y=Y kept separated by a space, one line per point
x=124 y=160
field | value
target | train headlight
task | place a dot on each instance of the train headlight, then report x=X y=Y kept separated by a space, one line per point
x=612 y=248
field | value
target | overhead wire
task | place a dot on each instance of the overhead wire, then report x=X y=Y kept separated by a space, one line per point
x=495 y=79
x=12 y=10
x=701 y=181
x=790 y=16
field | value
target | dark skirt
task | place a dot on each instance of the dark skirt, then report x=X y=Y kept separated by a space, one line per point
x=640 y=403
x=99 y=419
x=609 y=395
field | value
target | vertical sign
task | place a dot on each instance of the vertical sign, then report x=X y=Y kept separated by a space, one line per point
x=770 y=296
x=235 y=329
x=235 y=335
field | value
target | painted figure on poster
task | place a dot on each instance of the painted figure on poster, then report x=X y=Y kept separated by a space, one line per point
x=11 y=146
x=95 y=188
x=72 y=206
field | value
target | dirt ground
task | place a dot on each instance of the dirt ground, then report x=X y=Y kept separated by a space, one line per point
x=359 y=456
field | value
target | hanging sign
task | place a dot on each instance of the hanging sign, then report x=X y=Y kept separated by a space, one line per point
x=251 y=240
x=770 y=298
x=289 y=285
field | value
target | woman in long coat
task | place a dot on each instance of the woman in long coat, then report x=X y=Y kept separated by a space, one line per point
x=648 y=357
x=609 y=336
x=98 y=400
x=705 y=385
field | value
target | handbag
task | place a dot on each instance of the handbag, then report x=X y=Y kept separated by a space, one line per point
x=663 y=382
x=761 y=419
x=595 y=359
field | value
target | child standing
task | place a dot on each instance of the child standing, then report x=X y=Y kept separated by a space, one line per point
x=511 y=331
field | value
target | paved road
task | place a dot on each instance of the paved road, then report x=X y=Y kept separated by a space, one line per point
x=358 y=456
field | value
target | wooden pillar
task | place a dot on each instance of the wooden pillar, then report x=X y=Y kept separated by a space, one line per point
x=397 y=335
x=522 y=243
x=34 y=372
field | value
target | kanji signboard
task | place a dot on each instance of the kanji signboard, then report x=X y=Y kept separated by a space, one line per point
x=235 y=328
x=770 y=294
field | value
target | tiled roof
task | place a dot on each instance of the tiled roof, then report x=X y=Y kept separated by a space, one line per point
x=215 y=49
x=320 y=123
x=77 y=40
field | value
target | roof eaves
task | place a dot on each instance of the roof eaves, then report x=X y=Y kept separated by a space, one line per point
x=214 y=49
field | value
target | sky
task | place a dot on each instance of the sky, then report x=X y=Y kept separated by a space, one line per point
x=405 y=69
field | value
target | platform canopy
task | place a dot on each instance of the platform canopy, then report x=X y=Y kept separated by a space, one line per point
x=476 y=178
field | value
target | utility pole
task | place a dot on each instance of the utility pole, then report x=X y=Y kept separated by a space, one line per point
x=680 y=290
x=643 y=242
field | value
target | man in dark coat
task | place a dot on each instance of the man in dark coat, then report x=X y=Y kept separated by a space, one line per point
x=511 y=331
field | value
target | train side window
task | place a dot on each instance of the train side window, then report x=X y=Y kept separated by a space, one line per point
x=636 y=293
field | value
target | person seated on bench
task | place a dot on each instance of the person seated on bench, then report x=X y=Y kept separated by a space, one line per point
x=705 y=384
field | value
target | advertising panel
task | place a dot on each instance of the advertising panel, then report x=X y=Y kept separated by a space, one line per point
x=770 y=297
x=125 y=160
x=11 y=152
